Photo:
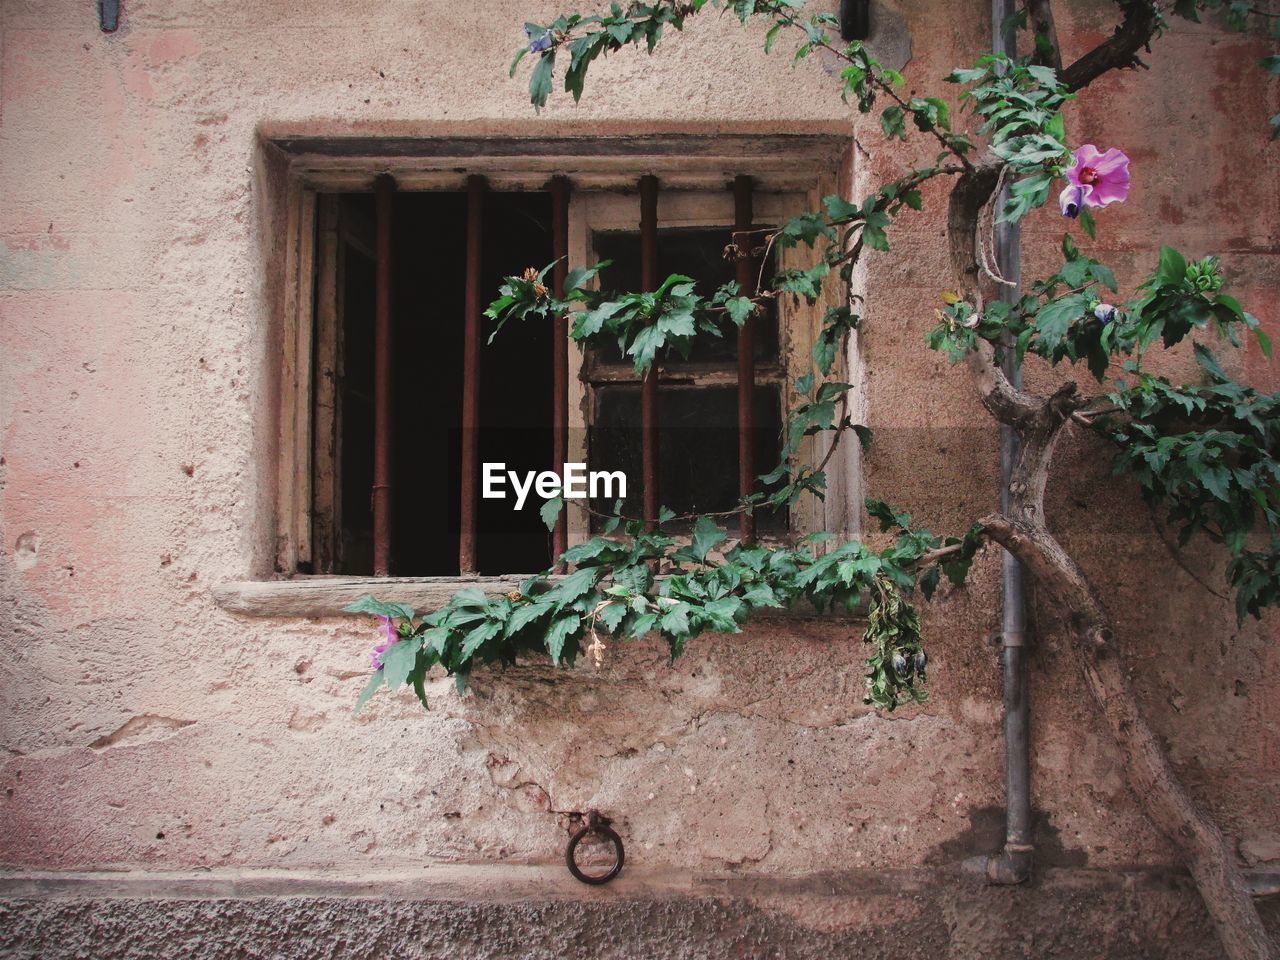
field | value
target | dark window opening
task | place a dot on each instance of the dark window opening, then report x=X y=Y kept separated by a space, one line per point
x=698 y=444
x=428 y=267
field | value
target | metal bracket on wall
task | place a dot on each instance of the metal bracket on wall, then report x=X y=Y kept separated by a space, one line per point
x=855 y=19
x=109 y=15
x=598 y=825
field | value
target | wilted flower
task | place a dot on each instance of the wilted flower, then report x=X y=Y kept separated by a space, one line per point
x=922 y=661
x=899 y=663
x=531 y=275
x=1096 y=180
x=1105 y=312
x=392 y=637
x=537 y=42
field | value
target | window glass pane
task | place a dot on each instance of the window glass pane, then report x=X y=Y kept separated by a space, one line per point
x=698 y=446
x=695 y=252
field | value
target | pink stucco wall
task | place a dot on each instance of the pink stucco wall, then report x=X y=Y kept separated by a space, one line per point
x=144 y=726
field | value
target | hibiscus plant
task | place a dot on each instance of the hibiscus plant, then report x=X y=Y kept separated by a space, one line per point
x=1204 y=453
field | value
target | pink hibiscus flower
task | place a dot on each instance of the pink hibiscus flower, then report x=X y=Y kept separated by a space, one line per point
x=1096 y=179
x=391 y=634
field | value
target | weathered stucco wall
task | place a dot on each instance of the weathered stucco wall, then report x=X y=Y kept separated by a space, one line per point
x=144 y=727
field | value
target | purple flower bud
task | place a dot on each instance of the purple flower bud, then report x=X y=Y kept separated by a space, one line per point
x=1072 y=199
x=538 y=43
x=922 y=660
x=1105 y=312
x=391 y=635
x=899 y=664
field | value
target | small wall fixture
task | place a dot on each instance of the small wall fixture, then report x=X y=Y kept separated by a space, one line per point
x=598 y=825
x=109 y=15
x=855 y=19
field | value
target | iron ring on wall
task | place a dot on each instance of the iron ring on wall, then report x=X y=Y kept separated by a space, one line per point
x=603 y=830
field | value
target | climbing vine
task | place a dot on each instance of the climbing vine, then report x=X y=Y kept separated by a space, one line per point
x=1204 y=452
x=630 y=582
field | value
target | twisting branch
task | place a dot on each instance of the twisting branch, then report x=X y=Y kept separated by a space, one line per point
x=1023 y=532
x=1002 y=400
x=1047 y=53
x=1119 y=51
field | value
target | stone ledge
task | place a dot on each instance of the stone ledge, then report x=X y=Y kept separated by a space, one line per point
x=470 y=913
x=323 y=596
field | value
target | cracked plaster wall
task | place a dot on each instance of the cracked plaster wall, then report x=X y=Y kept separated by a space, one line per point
x=142 y=726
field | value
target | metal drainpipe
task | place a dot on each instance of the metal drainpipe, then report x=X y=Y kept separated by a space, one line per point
x=1013 y=863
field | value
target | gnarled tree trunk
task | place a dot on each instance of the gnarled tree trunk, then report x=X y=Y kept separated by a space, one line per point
x=1038 y=422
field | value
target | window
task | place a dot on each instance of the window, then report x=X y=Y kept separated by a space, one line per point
x=425 y=366
x=400 y=267
x=698 y=397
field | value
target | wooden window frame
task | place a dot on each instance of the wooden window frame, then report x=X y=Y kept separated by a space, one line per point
x=302 y=165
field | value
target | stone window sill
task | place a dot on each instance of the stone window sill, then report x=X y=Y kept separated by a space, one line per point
x=325 y=596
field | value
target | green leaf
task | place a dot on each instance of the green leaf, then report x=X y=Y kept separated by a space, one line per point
x=1104 y=276
x=611 y=615
x=761 y=595
x=888 y=517
x=1025 y=195
x=677 y=323
x=1054 y=319
x=379 y=608
x=590 y=322
x=707 y=534
x=476 y=638
x=434 y=640
x=550 y=511
x=516 y=62
x=893 y=123
x=469 y=597
x=1217 y=481
x=1207 y=360
x=600 y=549
x=1173 y=268
x=643 y=624
x=676 y=620
x=398 y=660
x=831 y=390
x=1089 y=224
x=540 y=80
x=929 y=582
x=559 y=631
x=645 y=347
x=525 y=615
x=418 y=678
x=739 y=308
x=573 y=586
x=1264 y=342
x=369 y=690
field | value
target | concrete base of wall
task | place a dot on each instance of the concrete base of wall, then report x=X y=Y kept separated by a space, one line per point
x=536 y=912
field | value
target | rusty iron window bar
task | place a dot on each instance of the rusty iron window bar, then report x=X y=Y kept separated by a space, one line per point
x=382 y=493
